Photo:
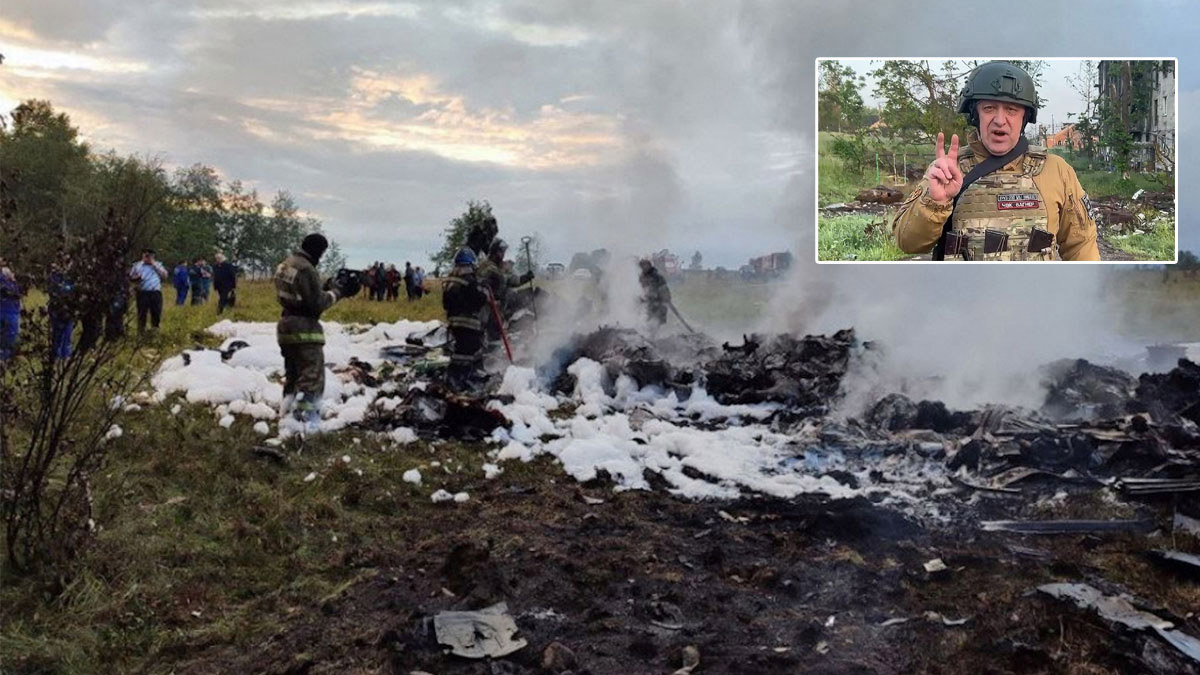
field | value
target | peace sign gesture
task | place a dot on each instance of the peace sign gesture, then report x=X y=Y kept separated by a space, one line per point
x=945 y=178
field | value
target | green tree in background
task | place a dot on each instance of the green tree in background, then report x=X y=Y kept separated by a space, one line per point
x=455 y=234
x=839 y=100
x=920 y=100
x=195 y=214
x=55 y=185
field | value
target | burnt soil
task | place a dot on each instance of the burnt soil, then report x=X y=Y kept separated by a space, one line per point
x=753 y=584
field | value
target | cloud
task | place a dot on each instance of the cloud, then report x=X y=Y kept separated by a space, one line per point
x=636 y=125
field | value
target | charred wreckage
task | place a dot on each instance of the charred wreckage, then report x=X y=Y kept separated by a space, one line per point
x=1106 y=455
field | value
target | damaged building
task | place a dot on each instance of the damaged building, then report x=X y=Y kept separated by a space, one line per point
x=1151 y=123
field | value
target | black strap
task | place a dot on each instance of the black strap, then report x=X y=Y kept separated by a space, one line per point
x=989 y=165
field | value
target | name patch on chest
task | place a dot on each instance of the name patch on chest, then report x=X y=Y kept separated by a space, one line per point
x=1023 y=200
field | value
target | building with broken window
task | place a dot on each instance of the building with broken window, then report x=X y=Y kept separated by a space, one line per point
x=1150 y=122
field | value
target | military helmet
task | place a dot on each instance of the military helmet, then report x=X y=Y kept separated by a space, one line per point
x=1000 y=81
x=498 y=247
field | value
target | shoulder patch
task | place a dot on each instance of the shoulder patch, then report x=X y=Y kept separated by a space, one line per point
x=1087 y=206
x=1034 y=163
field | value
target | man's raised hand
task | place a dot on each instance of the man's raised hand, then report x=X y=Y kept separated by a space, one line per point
x=945 y=178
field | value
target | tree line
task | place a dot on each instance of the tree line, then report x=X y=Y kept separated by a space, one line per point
x=57 y=189
x=917 y=100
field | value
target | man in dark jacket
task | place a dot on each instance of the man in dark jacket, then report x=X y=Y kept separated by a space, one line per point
x=196 y=281
x=301 y=339
x=409 y=281
x=225 y=281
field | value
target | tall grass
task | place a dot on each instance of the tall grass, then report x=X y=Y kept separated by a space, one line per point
x=857 y=237
x=1157 y=242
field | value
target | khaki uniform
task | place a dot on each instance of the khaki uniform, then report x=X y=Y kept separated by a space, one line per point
x=1035 y=190
x=299 y=332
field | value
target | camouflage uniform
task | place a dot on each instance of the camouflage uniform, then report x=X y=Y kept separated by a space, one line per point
x=464 y=299
x=299 y=332
x=655 y=294
x=1035 y=190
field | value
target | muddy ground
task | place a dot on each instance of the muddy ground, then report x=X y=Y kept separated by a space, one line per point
x=757 y=585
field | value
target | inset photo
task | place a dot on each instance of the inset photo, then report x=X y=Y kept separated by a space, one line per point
x=996 y=159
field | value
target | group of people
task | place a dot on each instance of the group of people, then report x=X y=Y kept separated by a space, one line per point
x=199 y=279
x=99 y=306
x=479 y=297
x=384 y=282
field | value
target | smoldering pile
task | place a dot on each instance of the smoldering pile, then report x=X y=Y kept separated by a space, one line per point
x=803 y=374
x=703 y=419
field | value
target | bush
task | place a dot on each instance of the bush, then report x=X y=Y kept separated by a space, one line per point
x=852 y=150
x=57 y=411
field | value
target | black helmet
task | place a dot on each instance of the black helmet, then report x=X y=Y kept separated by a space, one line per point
x=481 y=234
x=999 y=81
x=314 y=245
x=498 y=247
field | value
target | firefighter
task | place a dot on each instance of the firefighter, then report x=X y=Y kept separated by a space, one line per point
x=494 y=274
x=301 y=338
x=465 y=300
x=655 y=293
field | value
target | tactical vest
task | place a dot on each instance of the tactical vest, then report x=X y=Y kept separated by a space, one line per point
x=998 y=212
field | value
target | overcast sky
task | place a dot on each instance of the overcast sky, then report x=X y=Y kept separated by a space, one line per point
x=632 y=125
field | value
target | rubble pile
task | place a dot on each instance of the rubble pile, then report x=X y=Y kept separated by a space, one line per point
x=1118 y=215
x=798 y=372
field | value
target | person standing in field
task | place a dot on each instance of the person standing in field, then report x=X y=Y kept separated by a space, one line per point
x=148 y=274
x=196 y=281
x=225 y=281
x=301 y=338
x=179 y=277
x=10 y=311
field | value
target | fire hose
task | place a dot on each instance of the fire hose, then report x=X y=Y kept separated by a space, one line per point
x=679 y=316
x=499 y=323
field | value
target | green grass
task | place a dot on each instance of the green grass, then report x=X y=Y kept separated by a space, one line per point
x=1157 y=243
x=856 y=237
x=190 y=521
x=837 y=182
x=1103 y=184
